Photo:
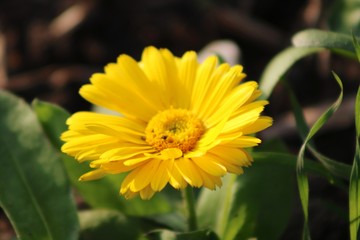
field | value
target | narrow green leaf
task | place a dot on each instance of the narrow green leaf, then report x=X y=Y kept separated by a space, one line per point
x=354 y=186
x=356 y=46
x=280 y=64
x=302 y=180
x=34 y=190
x=334 y=167
x=170 y=235
x=103 y=193
x=107 y=224
x=336 y=42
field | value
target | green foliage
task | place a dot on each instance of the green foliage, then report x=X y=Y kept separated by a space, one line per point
x=279 y=65
x=34 y=190
x=170 y=235
x=103 y=193
x=302 y=127
x=336 y=42
x=107 y=224
x=34 y=184
x=255 y=204
x=344 y=16
x=354 y=186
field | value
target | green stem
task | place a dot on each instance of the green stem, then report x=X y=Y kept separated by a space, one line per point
x=189 y=200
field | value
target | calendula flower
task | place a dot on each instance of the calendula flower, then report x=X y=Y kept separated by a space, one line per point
x=181 y=122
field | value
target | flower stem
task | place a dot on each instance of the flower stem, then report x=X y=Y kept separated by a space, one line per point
x=189 y=200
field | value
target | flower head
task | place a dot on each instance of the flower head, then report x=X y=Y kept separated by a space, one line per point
x=182 y=122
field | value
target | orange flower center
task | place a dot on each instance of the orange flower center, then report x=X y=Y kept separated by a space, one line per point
x=174 y=129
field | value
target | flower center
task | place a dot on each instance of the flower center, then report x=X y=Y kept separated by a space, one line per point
x=174 y=128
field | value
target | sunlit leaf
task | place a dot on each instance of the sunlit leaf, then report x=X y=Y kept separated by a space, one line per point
x=280 y=64
x=213 y=207
x=170 y=235
x=101 y=224
x=354 y=186
x=337 y=42
x=34 y=190
x=103 y=193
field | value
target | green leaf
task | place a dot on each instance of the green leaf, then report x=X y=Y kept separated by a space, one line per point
x=170 y=235
x=356 y=46
x=344 y=16
x=213 y=207
x=34 y=190
x=262 y=201
x=250 y=205
x=335 y=175
x=280 y=64
x=354 y=186
x=107 y=224
x=336 y=42
x=335 y=168
x=103 y=193
x=301 y=175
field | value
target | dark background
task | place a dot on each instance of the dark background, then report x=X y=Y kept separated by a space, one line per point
x=49 y=48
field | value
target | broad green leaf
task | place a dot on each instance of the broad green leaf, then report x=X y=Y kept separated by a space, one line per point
x=173 y=220
x=102 y=224
x=262 y=200
x=302 y=180
x=34 y=190
x=336 y=42
x=103 y=193
x=354 y=186
x=170 y=235
x=242 y=207
x=280 y=64
x=213 y=207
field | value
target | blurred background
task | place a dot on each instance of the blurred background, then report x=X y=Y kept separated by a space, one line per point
x=49 y=48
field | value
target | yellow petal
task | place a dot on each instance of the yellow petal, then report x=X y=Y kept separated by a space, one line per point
x=218 y=92
x=171 y=153
x=176 y=179
x=147 y=193
x=161 y=177
x=93 y=175
x=202 y=82
x=189 y=171
x=187 y=72
x=210 y=166
x=232 y=102
x=260 y=124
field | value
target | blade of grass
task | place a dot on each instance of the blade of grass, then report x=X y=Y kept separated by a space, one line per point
x=356 y=46
x=354 y=186
x=334 y=167
x=301 y=175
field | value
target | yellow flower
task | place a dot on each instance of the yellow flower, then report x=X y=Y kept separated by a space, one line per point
x=182 y=122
